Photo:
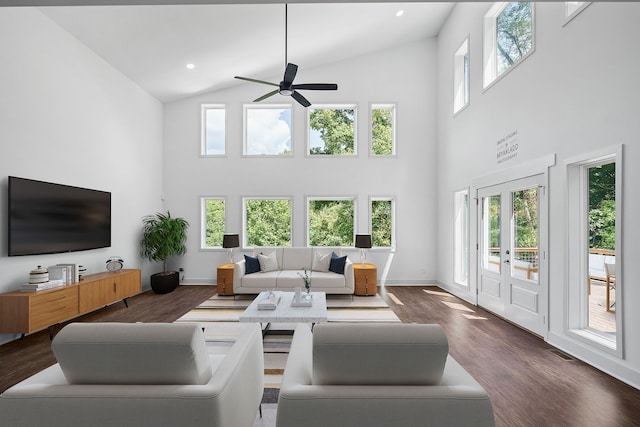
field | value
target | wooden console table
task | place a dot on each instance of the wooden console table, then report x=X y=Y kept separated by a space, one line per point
x=28 y=312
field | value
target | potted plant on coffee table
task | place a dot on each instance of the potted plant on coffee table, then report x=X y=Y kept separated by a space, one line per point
x=163 y=236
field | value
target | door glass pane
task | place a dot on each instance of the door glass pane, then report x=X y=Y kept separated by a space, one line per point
x=524 y=262
x=491 y=233
x=602 y=249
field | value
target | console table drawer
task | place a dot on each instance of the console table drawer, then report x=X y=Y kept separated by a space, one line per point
x=53 y=307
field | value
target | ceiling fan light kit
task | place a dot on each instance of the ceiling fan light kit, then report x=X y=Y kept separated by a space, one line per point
x=286 y=86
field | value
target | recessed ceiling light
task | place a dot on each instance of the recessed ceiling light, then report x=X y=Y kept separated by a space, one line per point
x=191 y=66
x=400 y=13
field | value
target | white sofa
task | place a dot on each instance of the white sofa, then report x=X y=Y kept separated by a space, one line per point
x=374 y=375
x=143 y=374
x=290 y=262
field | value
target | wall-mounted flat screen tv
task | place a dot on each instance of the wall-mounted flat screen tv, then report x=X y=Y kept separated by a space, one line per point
x=46 y=218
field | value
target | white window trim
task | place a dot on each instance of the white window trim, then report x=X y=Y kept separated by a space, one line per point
x=576 y=248
x=203 y=226
x=307 y=216
x=457 y=195
x=392 y=199
x=247 y=107
x=345 y=106
x=569 y=16
x=379 y=106
x=461 y=81
x=203 y=129
x=244 y=216
x=490 y=65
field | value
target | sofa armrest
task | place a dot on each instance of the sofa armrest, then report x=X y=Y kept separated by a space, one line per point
x=349 y=279
x=239 y=269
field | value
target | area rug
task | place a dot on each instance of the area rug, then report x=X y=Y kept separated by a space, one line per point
x=219 y=317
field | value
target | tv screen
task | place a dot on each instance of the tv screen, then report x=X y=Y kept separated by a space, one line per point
x=46 y=218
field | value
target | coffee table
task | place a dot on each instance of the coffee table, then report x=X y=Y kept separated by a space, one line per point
x=285 y=313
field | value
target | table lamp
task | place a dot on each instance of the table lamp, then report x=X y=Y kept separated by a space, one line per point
x=363 y=241
x=230 y=241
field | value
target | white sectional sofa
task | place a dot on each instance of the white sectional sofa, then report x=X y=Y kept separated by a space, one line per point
x=283 y=265
x=140 y=374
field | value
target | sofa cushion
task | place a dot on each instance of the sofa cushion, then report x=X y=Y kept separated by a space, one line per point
x=260 y=282
x=268 y=262
x=290 y=279
x=321 y=261
x=297 y=258
x=252 y=264
x=327 y=280
x=337 y=263
x=132 y=353
x=378 y=354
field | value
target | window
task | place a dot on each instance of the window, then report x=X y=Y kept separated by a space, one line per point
x=332 y=130
x=267 y=130
x=383 y=129
x=594 y=251
x=267 y=222
x=213 y=222
x=213 y=130
x=508 y=38
x=461 y=77
x=461 y=238
x=382 y=222
x=573 y=8
x=330 y=221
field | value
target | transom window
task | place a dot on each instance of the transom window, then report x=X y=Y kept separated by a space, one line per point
x=212 y=221
x=332 y=130
x=383 y=129
x=330 y=221
x=508 y=37
x=267 y=221
x=267 y=130
x=213 y=130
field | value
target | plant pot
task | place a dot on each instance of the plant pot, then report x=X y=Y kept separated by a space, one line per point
x=163 y=283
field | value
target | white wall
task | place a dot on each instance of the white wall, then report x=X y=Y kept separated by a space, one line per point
x=68 y=117
x=405 y=76
x=578 y=92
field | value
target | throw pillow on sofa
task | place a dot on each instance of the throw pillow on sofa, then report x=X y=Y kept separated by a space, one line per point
x=252 y=264
x=337 y=263
x=321 y=262
x=268 y=262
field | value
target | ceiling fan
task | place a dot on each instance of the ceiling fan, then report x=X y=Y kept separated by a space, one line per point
x=286 y=86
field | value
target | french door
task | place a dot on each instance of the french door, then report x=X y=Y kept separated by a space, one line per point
x=512 y=251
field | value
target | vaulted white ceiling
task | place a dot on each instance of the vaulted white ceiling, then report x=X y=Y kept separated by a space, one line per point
x=152 y=44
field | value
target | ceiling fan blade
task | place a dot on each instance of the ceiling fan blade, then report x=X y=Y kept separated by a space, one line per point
x=316 y=86
x=301 y=99
x=256 y=81
x=265 y=96
x=290 y=74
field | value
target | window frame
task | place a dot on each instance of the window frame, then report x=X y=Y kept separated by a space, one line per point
x=577 y=249
x=203 y=129
x=461 y=77
x=568 y=16
x=203 y=221
x=245 y=233
x=461 y=237
x=391 y=199
x=381 y=106
x=308 y=199
x=245 y=109
x=490 y=74
x=345 y=106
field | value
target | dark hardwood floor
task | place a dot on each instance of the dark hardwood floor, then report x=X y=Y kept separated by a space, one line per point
x=529 y=384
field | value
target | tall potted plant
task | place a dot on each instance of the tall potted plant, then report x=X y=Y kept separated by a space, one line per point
x=162 y=237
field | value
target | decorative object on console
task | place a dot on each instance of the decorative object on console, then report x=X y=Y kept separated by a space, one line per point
x=163 y=236
x=39 y=275
x=115 y=263
x=363 y=241
x=230 y=241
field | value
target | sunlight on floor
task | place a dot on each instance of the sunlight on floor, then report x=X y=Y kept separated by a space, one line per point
x=394 y=298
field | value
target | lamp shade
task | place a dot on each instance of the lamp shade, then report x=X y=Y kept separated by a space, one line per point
x=230 y=241
x=363 y=241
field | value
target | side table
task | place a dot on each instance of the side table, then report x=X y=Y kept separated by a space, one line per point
x=225 y=279
x=365 y=278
